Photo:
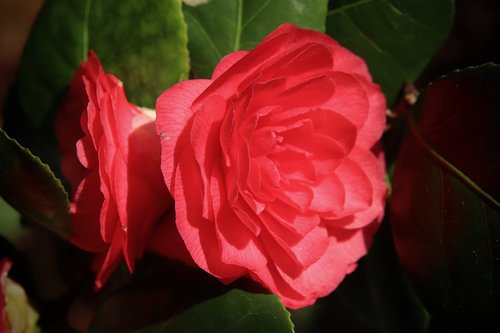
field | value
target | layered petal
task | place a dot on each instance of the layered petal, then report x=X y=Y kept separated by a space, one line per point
x=118 y=193
x=272 y=166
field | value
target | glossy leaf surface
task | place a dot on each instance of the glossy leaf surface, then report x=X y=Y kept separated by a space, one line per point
x=224 y=26
x=235 y=311
x=445 y=200
x=142 y=42
x=396 y=38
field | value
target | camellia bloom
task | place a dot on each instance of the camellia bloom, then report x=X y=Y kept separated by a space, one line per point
x=111 y=157
x=274 y=164
x=16 y=314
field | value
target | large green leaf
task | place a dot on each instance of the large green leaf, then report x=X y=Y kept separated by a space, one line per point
x=31 y=188
x=446 y=199
x=142 y=42
x=236 y=311
x=397 y=38
x=224 y=26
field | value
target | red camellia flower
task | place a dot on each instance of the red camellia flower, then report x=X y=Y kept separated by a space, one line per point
x=111 y=158
x=273 y=164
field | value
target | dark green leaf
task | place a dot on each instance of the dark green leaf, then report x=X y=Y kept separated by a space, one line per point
x=157 y=290
x=445 y=199
x=31 y=188
x=224 y=26
x=142 y=42
x=397 y=38
x=236 y=311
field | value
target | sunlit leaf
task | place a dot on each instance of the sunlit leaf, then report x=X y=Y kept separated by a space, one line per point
x=142 y=42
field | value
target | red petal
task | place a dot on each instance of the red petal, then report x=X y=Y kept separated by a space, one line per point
x=300 y=223
x=349 y=100
x=226 y=62
x=106 y=262
x=198 y=234
x=173 y=111
x=374 y=125
x=328 y=195
x=296 y=195
x=322 y=277
x=314 y=60
x=204 y=140
x=167 y=242
x=85 y=211
x=311 y=93
x=68 y=130
x=239 y=246
x=357 y=190
x=304 y=250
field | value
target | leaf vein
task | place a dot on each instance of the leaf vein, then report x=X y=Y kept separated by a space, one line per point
x=409 y=18
x=396 y=10
x=373 y=44
x=443 y=162
x=347 y=7
x=239 y=19
x=205 y=34
x=256 y=13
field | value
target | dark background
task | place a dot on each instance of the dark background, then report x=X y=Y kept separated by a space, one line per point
x=473 y=40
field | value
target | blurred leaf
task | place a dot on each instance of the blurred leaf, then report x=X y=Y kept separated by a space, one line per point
x=224 y=26
x=142 y=42
x=30 y=187
x=396 y=38
x=236 y=311
x=445 y=200
x=10 y=221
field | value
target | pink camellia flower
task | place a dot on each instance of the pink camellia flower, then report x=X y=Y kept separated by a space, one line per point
x=111 y=158
x=274 y=164
x=16 y=313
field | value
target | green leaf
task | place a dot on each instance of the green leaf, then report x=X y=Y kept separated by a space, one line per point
x=10 y=226
x=236 y=311
x=142 y=42
x=30 y=187
x=445 y=199
x=224 y=26
x=396 y=38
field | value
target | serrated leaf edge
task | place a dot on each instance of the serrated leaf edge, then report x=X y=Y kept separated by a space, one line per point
x=63 y=233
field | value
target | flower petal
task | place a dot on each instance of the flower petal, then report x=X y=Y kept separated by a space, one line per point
x=226 y=62
x=173 y=109
x=198 y=234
